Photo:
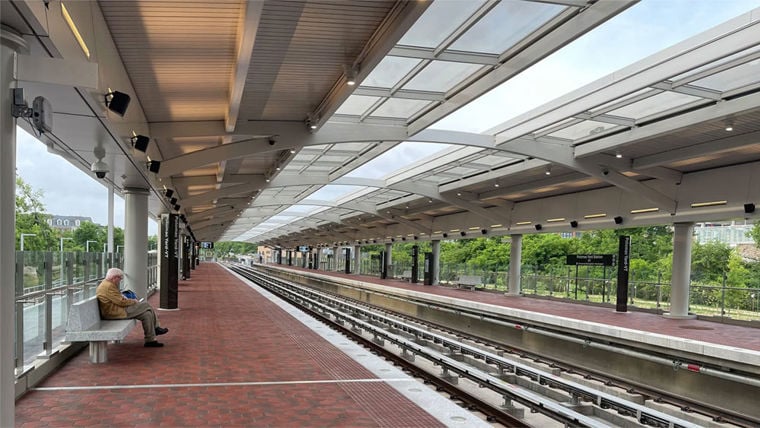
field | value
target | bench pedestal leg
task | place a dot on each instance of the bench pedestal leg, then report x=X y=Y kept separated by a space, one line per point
x=98 y=352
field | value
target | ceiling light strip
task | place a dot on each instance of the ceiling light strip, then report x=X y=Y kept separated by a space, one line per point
x=75 y=30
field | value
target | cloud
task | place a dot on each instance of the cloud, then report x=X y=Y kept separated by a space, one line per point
x=66 y=189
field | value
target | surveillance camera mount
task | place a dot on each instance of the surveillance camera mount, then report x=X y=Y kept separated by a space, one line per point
x=41 y=112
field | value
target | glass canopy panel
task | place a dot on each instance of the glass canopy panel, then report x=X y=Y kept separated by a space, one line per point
x=332 y=192
x=395 y=159
x=583 y=129
x=732 y=78
x=400 y=108
x=604 y=50
x=356 y=105
x=506 y=24
x=441 y=76
x=655 y=104
x=712 y=65
x=439 y=20
x=390 y=71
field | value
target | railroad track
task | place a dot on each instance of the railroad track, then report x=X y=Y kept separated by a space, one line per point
x=517 y=390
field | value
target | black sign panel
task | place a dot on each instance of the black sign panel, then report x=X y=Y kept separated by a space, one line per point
x=590 y=259
x=169 y=261
x=624 y=254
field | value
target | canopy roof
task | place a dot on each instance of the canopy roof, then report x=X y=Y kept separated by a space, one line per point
x=454 y=125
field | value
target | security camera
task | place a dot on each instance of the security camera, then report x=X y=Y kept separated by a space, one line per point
x=605 y=171
x=272 y=141
x=100 y=168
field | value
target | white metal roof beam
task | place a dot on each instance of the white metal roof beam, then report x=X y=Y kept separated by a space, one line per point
x=684 y=121
x=247 y=28
x=689 y=152
x=733 y=36
x=220 y=193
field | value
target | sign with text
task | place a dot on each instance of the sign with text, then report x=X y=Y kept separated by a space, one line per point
x=590 y=259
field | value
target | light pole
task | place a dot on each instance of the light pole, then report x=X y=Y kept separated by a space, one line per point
x=87 y=246
x=117 y=248
x=62 y=239
x=22 y=239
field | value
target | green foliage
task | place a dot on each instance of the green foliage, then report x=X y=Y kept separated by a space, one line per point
x=224 y=248
x=754 y=233
x=709 y=262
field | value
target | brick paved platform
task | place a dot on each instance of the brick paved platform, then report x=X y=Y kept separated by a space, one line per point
x=233 y=357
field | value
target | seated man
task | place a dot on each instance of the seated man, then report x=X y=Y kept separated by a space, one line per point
x=113 y=305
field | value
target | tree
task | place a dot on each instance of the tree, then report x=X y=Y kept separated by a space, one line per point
x=31 y=219
x=754 y=233
x=89 y=231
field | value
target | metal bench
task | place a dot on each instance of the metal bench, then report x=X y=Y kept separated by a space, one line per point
x=407 y=275
x=85 y=325
x=469 y=281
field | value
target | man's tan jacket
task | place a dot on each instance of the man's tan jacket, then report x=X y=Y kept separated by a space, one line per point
x=112 y=303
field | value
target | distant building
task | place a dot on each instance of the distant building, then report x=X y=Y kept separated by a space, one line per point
x=66 y=223
x=731 y=233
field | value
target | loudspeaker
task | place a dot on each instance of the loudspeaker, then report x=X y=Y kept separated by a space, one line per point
x=463 y=233
x=749 y=208
x=154 y=166
x=140 y=142
x=483 y=231
x=538 y=227
x=618 y=220
x=117 y=102
x=168 y=193
x=445 y=235
x=573 y=223
x=176 y=207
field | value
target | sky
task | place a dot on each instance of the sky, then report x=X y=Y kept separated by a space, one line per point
x=66 y=189
x=644 y=29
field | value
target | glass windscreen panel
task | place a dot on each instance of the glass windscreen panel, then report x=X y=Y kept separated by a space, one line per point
x=390 y=71
x=400 y=108
x=439 y=20
x=653 y=105
x=505 y=25
x=356 y=105
x=441 y=76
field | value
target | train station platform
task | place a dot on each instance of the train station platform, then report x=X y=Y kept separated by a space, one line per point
x=234 y=356
x=713 y=340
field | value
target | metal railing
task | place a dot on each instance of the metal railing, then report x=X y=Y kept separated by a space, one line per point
x=710 y=300
x=47 y=283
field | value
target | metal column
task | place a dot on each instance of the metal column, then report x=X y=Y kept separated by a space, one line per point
x=679 y=290
x=11 y=43
x=515 y=266
x=436 y=244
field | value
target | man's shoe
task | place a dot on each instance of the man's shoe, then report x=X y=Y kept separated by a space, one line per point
x=153 y=344
x=161 y=330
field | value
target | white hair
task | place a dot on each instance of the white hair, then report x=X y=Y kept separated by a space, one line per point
x=113 y=273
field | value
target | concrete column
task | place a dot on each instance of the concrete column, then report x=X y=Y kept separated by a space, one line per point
x=110 y=219
x=389 y=258
x=334 y=260
x=679 y=282
x=136 y=241
x=357 y=260
x=436 y=244
x=515 y=265
x=11 y=43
